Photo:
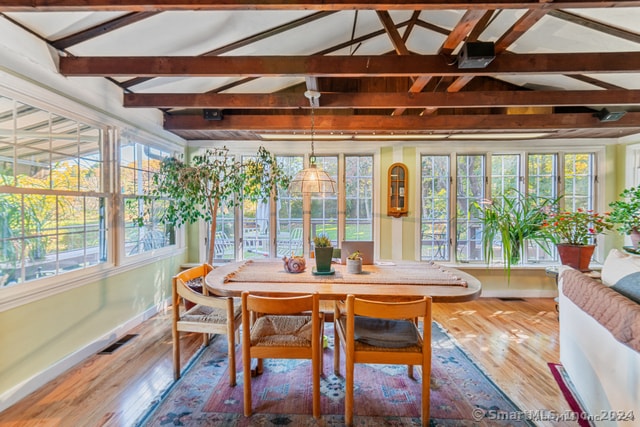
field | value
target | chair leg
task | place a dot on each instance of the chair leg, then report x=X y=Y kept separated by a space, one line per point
x=410 y=372
x=231 y=343
x=176 y=355
x=348 y=391
x=336 y=350
x=315 y=366
x=246 y=372
x=426 y=395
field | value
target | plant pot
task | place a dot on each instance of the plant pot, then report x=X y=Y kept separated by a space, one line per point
x=635 y=238
x=576 y=256
x=354 y=266
x=323 y=259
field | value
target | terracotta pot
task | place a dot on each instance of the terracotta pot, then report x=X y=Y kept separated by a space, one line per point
x=576 y=256
x=635 y=238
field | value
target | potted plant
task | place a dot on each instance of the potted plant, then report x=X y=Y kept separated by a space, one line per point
x=323 y=250
x=197 y=189
x=510 y=219
x=354 y=263
x=626 y=214
x=574 y=234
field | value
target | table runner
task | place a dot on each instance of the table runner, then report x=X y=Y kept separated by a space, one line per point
x=427 y=273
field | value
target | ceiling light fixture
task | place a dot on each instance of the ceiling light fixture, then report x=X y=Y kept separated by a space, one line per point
x=605 y=115
x=312 y=180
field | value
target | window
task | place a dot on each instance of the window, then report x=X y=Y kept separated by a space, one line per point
x=547 y=175
x=138 y=163
x=358 y=198
x=435 y=212
x=285 y=225
x=53 y=206
x=324 y=209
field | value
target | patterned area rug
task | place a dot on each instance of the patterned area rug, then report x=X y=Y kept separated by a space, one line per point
x=461 y=394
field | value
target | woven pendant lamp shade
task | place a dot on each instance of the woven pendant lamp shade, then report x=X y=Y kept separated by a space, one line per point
x=312 y=179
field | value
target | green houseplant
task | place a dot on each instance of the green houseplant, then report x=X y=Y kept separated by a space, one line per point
x=212 y=179
x=574 y=234
x=625 y=213
x=354 y=263
x=323 y=250
x=512 y=218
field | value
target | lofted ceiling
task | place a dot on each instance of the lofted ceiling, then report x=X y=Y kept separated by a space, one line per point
x=238 y=70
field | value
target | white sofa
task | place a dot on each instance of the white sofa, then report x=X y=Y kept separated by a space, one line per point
x=604 y=371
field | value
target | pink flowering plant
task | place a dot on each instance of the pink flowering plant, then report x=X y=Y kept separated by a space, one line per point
x=579 y=227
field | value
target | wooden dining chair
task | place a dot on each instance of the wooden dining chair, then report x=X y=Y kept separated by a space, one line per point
x=282 y=328
x=210 y=315
x=383 y=332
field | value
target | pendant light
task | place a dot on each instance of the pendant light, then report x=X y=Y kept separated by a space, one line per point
x=312 y=179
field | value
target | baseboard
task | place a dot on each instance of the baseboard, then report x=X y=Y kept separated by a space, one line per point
x=524 y=293
x=20 y=391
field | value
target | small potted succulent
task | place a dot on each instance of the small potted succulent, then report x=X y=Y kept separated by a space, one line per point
x=354 y=263
x=625 y=214
x=323 y=250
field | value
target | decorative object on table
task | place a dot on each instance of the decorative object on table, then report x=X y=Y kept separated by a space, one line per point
x=209 y=180
x=354 y=263
x=509 y=220
x=626 y=214
x=574 y=235
x=323 y=249
x=295 y=264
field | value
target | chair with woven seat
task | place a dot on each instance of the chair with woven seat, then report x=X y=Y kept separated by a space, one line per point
x=282 y=328
x=210 y=315
x=386 y=333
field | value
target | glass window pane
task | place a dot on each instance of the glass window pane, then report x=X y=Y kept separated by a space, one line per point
x=324 y=209
x=289 y=233
x=434 y=224
x=470 y=179
x=358 y=198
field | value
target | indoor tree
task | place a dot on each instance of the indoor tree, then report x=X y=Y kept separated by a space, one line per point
x=215 y=178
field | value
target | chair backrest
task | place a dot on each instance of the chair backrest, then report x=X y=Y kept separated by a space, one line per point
x=281 y=305
x=390 y=310
x=181 y=279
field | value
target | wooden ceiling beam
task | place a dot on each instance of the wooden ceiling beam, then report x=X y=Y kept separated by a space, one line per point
x=386 y=100
x=385 y=123
x=161 y=5
x=348 y=66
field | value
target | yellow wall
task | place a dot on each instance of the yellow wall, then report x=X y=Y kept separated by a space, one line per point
x=37 y=335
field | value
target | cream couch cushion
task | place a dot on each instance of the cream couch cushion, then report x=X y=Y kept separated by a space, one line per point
x=618 y=265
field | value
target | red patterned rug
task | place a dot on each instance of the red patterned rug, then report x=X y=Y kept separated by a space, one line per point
x=564 y=383
x=461 y=394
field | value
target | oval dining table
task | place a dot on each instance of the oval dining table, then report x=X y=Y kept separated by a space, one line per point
x=391 y=281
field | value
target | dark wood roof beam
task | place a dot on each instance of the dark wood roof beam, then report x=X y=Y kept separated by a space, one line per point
x=159 y=5
x=101 y=29
x=348 y=66
x=388 y=100
x=376 y=123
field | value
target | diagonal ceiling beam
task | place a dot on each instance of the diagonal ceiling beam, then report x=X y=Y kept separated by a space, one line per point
x=101 y=29
x=377 y=123
x=523 y=24
x=386 y=100
x=348 y=66
x=158 y=5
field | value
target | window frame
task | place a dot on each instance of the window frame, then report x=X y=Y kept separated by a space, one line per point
x=598 y=152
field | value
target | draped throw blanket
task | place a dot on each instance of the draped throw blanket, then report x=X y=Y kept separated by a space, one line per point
x=617 y=313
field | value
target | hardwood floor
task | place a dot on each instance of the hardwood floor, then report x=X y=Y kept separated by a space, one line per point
x=511 y=340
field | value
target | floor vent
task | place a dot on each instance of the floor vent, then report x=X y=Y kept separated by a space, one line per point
x=511 y=299
x=116 y=345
